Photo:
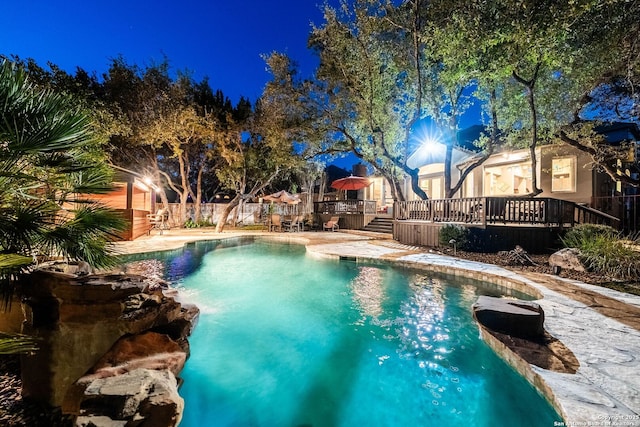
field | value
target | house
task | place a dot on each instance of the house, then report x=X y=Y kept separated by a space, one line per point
x=496 y=196
x=134 y=199
x=562 y=172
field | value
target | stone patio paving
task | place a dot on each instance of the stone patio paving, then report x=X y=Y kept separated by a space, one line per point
x=601 y=326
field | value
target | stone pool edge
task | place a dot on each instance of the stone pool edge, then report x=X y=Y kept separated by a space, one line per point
x=606 y=388
x=594 y=395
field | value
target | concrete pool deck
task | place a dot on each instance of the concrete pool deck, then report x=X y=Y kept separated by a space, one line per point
x=600 y=326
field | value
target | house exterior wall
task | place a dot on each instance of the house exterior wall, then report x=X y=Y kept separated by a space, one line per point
x=379 y=191
x=584 y=174
x=586 y=182
x=116 y=199
x=503 y=174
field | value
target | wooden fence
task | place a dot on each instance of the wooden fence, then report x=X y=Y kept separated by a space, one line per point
x=245 y=214
x=627 y=208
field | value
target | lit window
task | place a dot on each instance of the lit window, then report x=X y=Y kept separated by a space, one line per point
x=563 y=174
x=432 y=186
x=509 y=179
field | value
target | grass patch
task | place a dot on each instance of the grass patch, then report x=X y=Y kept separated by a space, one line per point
x=189 y=223
x=251 y=227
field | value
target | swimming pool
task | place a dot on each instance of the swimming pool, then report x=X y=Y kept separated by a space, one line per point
x=288 y=340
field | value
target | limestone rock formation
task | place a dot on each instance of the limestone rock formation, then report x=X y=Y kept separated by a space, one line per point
x=96 y=331
x=139 y=397
x=517 y=327
x=149 y=350
x=566 y=259
x=513 y=317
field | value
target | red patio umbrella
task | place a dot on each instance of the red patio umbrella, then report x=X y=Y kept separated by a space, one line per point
x=351 y=183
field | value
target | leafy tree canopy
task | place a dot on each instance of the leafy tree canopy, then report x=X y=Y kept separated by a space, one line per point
x=51 y=163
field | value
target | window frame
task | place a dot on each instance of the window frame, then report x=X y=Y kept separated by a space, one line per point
x=573 y=174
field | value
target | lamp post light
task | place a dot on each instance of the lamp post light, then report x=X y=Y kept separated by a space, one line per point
x=453 y=242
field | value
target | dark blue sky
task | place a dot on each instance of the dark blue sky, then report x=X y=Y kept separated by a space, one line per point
x=222 y=39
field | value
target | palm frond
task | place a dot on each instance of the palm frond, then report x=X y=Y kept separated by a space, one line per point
x=11 y=266
x=14 y=262
x=86 y=235
x=16 y=343
x=49 y=158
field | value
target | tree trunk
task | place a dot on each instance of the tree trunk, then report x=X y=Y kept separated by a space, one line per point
x=530 y=85
x=415 y=183
x=236 y=214
x=323 y=183
x=225 y=213
x=185 y=190
x=493 y=141
x=198 y=197
x=448 y=158
x=157 y=177
x=534 y=143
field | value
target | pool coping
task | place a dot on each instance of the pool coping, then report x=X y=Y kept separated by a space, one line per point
x=604 y=391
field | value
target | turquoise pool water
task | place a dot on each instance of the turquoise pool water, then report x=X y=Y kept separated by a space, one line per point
x=288 y=340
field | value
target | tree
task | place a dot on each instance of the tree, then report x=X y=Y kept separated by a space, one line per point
x=184 y=135
x=607 y=35
x=366 y=99
x=384 y=71
x=177 y=127
x=51 y=163
x=544 y=61
x=250 y=165
x=442 y=80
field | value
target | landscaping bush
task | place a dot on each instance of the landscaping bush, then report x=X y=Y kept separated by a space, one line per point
x=584 y=232
x=604 y=250
x=455 y=232
x=189 y=223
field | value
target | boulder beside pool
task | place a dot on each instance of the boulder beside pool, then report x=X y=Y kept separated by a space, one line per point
x=518 y=318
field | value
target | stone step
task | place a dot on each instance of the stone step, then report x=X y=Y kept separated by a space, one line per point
x=380 y=225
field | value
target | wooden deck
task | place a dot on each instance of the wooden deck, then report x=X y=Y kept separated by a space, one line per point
x=496 y=223
x=339 y=207
x=352 y=214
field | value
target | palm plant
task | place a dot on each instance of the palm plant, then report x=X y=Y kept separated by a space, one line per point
x=16 y=343
x=50 y=164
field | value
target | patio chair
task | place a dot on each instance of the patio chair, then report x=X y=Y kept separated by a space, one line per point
x=275 y=222
x=301 y=221
x=332 y=224
x=158 y=220
x=293 y=225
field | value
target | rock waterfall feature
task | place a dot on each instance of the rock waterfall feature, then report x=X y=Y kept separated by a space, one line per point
x=111 y=347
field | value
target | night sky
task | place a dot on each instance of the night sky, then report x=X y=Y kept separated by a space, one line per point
x=219 y=39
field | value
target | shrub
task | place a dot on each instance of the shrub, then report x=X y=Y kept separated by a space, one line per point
x=455 y=232
x=189 y=223
x=604 y=250
x=583 y=232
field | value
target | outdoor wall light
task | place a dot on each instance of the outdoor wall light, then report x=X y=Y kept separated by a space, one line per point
x=453 y=242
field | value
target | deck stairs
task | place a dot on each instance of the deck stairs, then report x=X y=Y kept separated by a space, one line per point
x=380 y=225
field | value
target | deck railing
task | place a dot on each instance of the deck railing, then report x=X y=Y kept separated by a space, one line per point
x=482 y=211
x=627 y=208
x=346 y=207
